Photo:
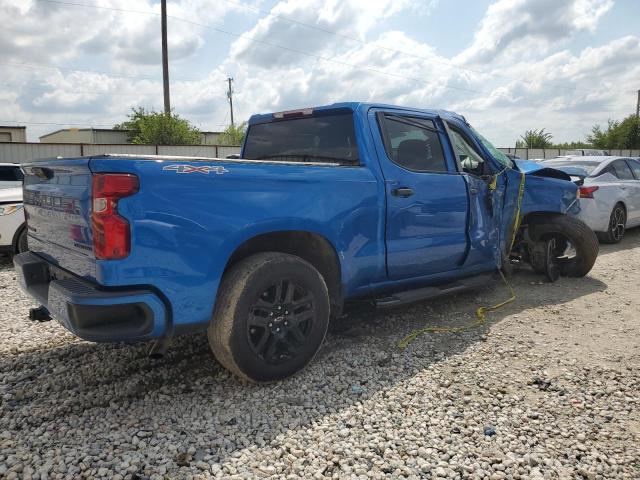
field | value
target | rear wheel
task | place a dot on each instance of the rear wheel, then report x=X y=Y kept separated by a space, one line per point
x=570 y=244
x=617 y=225
x=271 y=317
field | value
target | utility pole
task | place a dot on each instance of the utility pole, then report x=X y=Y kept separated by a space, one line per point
x=165 y=58
x=230 y=97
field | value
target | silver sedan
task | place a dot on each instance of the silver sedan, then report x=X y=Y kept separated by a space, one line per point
x=609 y=192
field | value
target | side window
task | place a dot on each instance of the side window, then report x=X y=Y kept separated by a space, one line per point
x=414 y=144
x=470 y=160
x=635 y=166
x=610 y=170
x=10 y=174
x=623 y=171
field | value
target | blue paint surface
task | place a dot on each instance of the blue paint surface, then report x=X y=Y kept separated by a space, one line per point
x=185 y=227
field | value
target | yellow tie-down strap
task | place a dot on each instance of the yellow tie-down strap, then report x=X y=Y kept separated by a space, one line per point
x=481 y=318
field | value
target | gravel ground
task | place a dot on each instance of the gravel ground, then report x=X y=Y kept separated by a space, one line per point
x=549 y=388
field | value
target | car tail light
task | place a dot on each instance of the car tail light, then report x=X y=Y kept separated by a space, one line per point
x=587 y=192
x=111 y=232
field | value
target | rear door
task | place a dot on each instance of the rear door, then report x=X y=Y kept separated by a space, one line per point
x=427 y=202
x=57 y=202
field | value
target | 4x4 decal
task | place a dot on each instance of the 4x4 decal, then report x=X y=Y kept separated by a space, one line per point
x=206 y=169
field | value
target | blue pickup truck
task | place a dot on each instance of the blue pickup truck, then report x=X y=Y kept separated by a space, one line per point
x=328 y=204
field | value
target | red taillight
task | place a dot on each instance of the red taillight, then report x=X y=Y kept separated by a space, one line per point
x=111 y=232
x=587 y=192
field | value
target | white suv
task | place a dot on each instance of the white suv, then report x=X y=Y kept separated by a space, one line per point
x=13 y=231
x=10 y=175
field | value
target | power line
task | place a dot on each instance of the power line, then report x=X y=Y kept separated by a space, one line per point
x=264 y=42
x=389 y=49
x=324 y=30
x=301 y=52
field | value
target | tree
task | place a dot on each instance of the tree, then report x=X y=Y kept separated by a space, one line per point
x=156 y=128
x=535 y=139
x=233 y=135
x=618 y=134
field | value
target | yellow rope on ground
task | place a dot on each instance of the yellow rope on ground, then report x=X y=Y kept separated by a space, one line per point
x=481 y=318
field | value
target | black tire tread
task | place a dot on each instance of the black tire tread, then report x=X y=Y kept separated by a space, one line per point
x=585 y=241
x=231 y=288
x=606 y=237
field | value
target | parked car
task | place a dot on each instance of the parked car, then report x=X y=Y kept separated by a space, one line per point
x=586 y=152
x=10 y=175
x=327 y=204
x=13 y=232
x=609 y=193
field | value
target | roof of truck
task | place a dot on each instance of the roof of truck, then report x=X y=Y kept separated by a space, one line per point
x=361 y=106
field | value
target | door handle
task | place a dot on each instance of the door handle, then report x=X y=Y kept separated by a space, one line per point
x=402 y=192
x=473 y=191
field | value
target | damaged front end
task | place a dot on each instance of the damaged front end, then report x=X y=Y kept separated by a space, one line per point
x=550 y=238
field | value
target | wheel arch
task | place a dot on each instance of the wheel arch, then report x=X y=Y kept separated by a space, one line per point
x=310 y=246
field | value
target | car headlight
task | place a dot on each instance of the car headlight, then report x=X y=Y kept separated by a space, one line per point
x=9 y=208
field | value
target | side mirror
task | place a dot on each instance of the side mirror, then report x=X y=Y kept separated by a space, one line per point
x=468 y=163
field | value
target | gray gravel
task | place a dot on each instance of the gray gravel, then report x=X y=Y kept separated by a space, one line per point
x=549 y=389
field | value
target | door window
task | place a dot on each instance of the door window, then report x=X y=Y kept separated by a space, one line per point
x=470 y=160
x=413 y=143
x=635 y=166
x=623 y=172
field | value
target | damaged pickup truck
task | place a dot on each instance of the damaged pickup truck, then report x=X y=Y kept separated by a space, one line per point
x=346 y=201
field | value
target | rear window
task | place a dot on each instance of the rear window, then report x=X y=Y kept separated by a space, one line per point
x=10 y=174
x=321 y=138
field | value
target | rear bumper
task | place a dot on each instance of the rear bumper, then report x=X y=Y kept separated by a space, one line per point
x=87 y=311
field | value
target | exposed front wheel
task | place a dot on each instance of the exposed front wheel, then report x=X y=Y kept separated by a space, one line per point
x=570 y=245
x=271 y=316
x=617 y=225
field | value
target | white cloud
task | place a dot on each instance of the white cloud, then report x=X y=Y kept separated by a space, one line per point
x=525 y=28
x=346 y=19
x=545 y=85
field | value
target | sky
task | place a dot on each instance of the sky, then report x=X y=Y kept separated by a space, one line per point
x=507 y=65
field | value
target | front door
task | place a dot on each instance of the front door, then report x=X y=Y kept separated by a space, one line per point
x=485 y=200
x=427 y=200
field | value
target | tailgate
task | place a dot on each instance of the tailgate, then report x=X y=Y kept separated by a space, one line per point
x=57 y=202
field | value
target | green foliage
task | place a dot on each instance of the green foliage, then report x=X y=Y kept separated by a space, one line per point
x=617 y=135
x=535 y=139
x=157 y=128
x=233 y=135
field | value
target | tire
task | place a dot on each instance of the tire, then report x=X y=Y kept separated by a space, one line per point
x=22 y=242
x=255 y=339
x=567 y=229
x=617 y=225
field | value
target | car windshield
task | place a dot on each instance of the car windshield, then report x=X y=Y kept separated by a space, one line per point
x=322 y=138
x=495 y=153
